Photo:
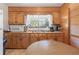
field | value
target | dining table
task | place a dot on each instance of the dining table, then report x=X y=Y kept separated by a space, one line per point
x=51 y=47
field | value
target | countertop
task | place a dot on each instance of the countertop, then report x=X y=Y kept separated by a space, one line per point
x=38 y=32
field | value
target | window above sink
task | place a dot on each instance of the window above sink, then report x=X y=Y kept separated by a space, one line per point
x=38 y=22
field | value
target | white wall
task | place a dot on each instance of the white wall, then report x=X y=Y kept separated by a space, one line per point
x=3 y=24
x=5 y=17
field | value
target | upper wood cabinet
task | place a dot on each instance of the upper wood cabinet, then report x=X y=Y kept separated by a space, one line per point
x=55 y=12
x=12 y=17
x=16 y=18
x=20 y=18
x=56 y=18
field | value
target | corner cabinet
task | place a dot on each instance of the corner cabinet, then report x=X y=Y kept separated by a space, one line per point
x=16 y=18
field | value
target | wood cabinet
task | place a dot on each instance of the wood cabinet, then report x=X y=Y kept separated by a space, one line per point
x=16 y=18
x=56 y=18
x=65 y=22
x=23 y=40
x=17 y=40
x=12 y=17
x=51 y=36
x=33 y=37
x=20 y=18
x=42 y=36
x=59 y=37
x=55 y=12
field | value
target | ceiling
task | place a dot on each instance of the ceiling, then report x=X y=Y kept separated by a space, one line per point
x=35 y=4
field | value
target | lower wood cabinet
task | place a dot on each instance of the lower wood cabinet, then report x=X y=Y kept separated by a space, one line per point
x=33 y=37
x=59 y=37
x=23 y=40
x=51 y=36
x=17 y=40
x=42 y=36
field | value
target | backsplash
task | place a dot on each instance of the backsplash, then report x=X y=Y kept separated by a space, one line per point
x=17 y=28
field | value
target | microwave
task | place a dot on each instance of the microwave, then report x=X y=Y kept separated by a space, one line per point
x=16 y=28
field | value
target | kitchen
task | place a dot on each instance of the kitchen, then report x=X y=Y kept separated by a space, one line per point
x=30 y=23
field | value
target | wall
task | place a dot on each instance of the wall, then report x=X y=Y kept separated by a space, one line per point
x=38 y=10
x=65 y=21
x=74 y=17
x=1 y=29
x=3 y=19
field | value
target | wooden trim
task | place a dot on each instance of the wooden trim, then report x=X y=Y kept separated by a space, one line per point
x=16 y=24
x=16 y=48
x=38 y=9
x=65 y=22
x=69 y=22
x=74 y=35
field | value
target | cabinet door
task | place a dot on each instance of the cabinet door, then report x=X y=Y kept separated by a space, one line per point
x=42 y=36
x=20 y=18
x=36 y=36
x=51 y=36
x=56 y=18
x=60 y=37
x=24 y=40
x=16 y=18
x=12 y=17
x=11 y=41
x=33 y=38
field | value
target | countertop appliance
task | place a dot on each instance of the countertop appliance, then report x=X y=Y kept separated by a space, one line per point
x=55 y=27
